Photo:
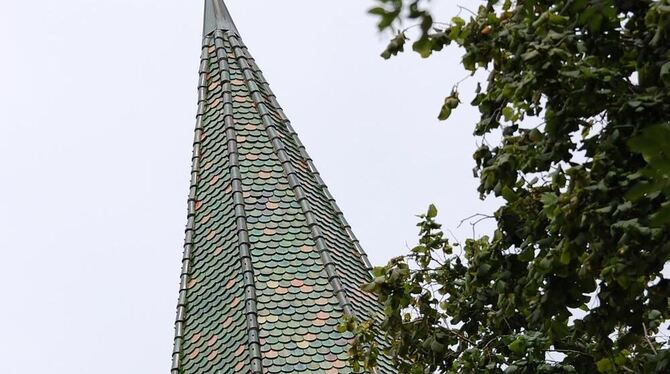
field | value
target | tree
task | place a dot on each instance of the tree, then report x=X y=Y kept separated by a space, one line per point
x=572 y=278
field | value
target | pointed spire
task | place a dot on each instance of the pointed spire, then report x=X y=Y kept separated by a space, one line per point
x=270 y=266
x=217 y=17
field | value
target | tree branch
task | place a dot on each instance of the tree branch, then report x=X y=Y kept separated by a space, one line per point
x=646 y=337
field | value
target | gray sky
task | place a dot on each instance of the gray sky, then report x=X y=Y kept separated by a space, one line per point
x=97 y=106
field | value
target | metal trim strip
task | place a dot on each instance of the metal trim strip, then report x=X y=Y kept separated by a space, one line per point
x=188 y=241
x=294 y=182
x=254 y=345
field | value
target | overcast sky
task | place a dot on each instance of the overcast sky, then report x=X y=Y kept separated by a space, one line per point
x=97 y=107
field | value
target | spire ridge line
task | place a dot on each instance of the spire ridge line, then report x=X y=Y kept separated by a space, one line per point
x=310 y=165
x=294 y=182
x=188 y=241
x=244 y=244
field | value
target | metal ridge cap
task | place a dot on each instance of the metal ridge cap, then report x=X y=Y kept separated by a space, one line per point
x=244 y=245
x=317 y=176
x=190 y=225
x=217 y=17
x=293 y=181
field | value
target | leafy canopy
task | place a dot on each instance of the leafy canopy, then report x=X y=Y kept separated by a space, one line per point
x=571 y=280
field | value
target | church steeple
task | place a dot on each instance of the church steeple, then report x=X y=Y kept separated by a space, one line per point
x=270 y=264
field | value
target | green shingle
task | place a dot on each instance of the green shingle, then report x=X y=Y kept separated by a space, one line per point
x=270 y=265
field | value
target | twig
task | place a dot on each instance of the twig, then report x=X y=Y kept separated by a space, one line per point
x=456 y=241
x=646 y=337
x=460 y=7
x=462 y=80
x=464 y=338
x=484 y=216
x=481 y=219
x=418 y=24
x=487 y=344
x=569 y=351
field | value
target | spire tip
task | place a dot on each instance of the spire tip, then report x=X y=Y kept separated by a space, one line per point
x=217 y=17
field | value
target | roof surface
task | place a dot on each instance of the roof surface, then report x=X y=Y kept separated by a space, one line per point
x=270 y=265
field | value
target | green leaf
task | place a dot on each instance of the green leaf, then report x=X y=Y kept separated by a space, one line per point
x=458 y=21
x=395 y=46
x=527 y=56
x=559 y=329
x=652 y=143
x=549 y=199
x=370 y=287
x=341 y=328
x=387 y=18
x=640 y=190
x=423 y=46
x=379 y=11
x=437 y=347
x=483 y=269
x=535 y=135
x=445 y=112
x=662 y=216
x=508 y=113
x=518 y=345
x=432 y=211
x=654 y=314
x=509 y=195
x=526 y=255
x=565 y=257
x=550 y=204
x=665 y=73
x=605 y=365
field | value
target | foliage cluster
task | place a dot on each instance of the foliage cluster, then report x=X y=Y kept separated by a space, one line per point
x=572 y=278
